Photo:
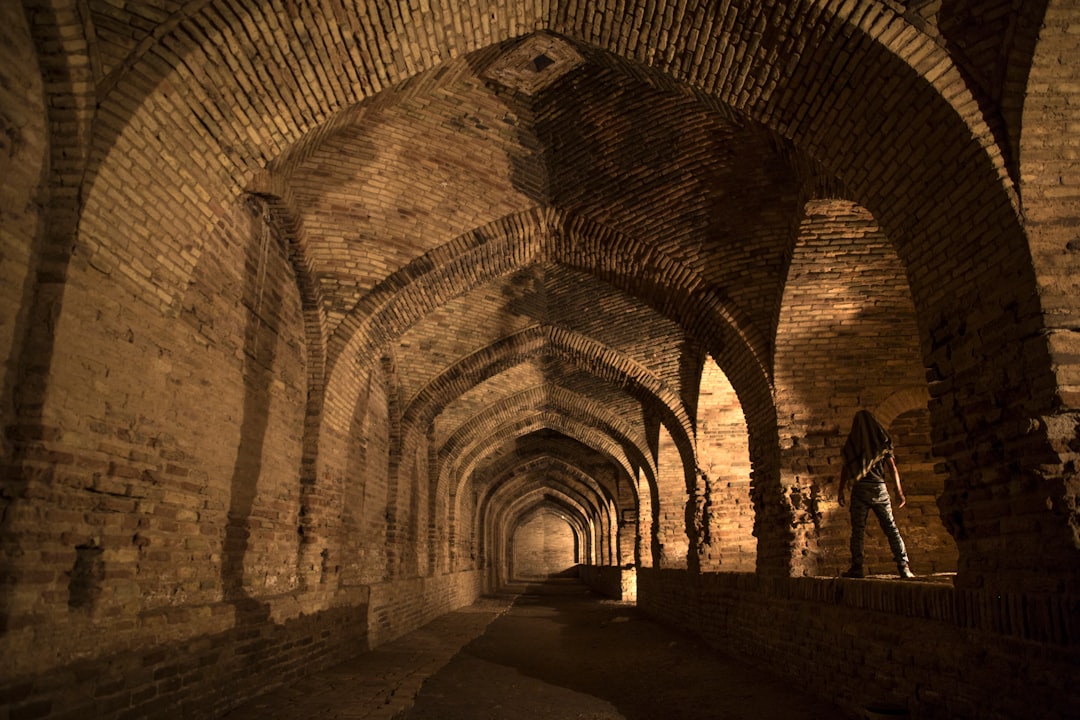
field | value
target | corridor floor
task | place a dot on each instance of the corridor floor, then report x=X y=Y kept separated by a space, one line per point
x=545 y=651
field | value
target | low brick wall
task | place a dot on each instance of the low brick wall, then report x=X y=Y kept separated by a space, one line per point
x=937 y=651
x=205 y=675
x=401 y=606
x=200 y=677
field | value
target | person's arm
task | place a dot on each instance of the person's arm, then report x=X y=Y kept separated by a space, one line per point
x=901 y=500
x=843 y=486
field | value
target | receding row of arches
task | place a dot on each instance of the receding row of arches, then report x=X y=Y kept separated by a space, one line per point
x=676 y=478
x=331 y=316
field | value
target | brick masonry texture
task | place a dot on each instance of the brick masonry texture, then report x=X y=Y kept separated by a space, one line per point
x=321 y=319
x=544 y=545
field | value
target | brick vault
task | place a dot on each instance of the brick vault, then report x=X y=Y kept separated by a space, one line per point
x=323 y=318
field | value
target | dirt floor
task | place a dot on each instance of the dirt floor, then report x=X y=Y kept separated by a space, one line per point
x=562 y=653
x=551 y=650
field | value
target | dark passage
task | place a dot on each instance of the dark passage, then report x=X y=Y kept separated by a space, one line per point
x=558 y=652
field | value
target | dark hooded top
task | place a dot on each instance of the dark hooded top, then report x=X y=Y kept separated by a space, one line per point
x=867 y=445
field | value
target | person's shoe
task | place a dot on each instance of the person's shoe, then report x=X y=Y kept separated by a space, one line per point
x=904 y=571
x=855 y=571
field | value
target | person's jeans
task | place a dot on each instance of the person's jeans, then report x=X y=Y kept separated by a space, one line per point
x=866 y=496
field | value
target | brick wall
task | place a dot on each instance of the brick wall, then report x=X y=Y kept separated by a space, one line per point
x=23 y=161
x=723 y=457
x=1050 y=188
x=931 y=548
x=618 y=583
x=203 y=675
x=399 y=606
x=296 y=296
x=544 y=545
x=158 y=535
x=846 y=340
x=199 y=676
x=363 y=545
x=670 y=525
x=177 y=459
x=936 y=651
x=643 y=550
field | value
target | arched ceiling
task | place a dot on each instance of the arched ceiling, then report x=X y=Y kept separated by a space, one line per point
x=575 y=339
x=548 y=452
x=460 y=151
x=539 y=227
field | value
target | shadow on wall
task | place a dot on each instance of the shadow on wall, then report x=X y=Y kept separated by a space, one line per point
x=932 y=549
x=259 y=354
x=574 y=571
x=612 y=581
x=174 y=679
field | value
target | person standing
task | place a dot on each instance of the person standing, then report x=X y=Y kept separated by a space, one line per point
x=868 y=464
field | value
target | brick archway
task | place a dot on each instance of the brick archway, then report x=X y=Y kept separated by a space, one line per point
x=903 y=189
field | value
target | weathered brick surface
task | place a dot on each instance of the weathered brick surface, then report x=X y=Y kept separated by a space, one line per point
x=23 y=162
x=399 y=606
x=670 y=524
x=726 y=511
x=615 y=582
x=543 y=545
x=307 y=307
x=200 y=676
x=929 y=543
x=511 y=502
x=847 y=340
x=1050 y=188
x=935 y=651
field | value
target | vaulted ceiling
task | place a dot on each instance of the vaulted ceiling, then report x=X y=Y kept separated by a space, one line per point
x=543 y=222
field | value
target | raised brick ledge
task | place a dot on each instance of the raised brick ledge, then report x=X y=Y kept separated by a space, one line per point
x=399 y=606
x=198 y=677
x=1053 y=619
